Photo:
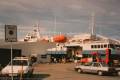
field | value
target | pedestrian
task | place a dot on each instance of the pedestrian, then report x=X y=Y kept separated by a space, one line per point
x=63 y=60
x=52 y=60
x=55 y=60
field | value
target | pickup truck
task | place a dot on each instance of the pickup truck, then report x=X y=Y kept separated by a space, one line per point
x=97 y=67
x=20 y=65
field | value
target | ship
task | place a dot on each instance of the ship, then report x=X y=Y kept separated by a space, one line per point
x=93 y=47
x=34 y=36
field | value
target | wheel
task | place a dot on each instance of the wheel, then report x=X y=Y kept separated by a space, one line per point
x=29 y=74
x=79 y=70
x=100 y=73
x=115 y=74
x=118 y=73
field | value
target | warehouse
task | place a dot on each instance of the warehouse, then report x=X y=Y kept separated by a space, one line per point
x=24 y=48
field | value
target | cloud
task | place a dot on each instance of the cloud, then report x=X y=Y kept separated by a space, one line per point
x=69 y=13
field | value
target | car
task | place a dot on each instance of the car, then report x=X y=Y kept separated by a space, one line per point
x=97 y=67
x=20 y=66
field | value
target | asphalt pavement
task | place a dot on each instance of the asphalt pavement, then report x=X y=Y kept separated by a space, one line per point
x=66 y=72
x=61 y=71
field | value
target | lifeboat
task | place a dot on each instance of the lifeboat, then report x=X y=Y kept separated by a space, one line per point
x=59 y=38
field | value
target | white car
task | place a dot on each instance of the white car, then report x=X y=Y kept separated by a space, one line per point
x=97 y=67
x=21 y=66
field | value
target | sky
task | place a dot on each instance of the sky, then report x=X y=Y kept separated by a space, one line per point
x=65 y=16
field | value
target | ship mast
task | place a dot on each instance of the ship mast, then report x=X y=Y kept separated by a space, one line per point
x=37 y=31
x=93 y=27
x=54 y=25
x=93 y=24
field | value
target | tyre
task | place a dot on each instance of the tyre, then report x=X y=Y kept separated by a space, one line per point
x=114 y=74
x=79 y=70
x=100 y=73
x=118 y=73
x=29 y=74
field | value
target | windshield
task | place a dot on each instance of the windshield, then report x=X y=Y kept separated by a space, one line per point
x=20 y=62
x=104 y=64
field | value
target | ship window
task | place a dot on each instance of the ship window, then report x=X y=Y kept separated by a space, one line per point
x=111 y=46
x=108 y=45
x=101 y=46
x=43 y=56
x=98 y=46
x=92 y=46
x=105 y=45
x=118 y=46
x=95 y=46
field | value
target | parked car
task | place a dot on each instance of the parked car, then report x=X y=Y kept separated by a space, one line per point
x=20 y=66
x=97 y=67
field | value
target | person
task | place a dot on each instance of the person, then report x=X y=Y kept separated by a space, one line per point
x=52 y=60
x=63 y=60
x=55 y=60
